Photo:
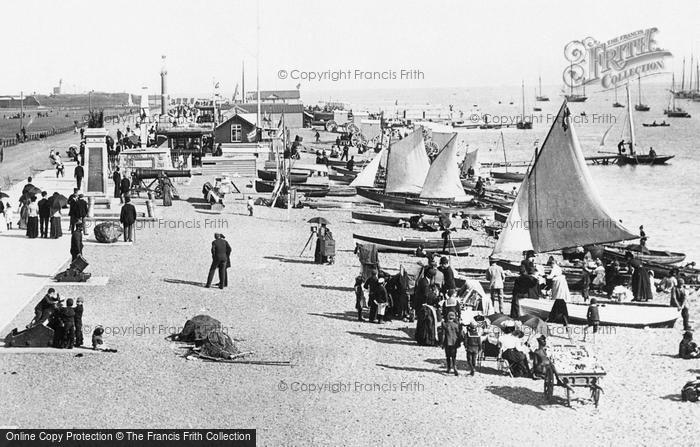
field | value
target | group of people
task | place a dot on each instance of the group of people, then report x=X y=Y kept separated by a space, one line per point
x=62 y=317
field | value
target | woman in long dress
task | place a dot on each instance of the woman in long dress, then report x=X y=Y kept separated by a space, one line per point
x=560 y=295
x=641 y=284
x=56 y=231
x=32 y=218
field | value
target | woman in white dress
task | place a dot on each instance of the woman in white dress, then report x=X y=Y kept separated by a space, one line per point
x=560 y=295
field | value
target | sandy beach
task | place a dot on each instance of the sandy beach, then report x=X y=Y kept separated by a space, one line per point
x=349 y=383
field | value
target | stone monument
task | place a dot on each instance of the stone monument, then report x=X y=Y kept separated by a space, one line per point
x=96 y=170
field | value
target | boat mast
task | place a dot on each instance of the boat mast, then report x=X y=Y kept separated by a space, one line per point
x=683 y=76
x=639 y=80
x=522 y=117
x=505 y=158
x=673 y=87
x=690 y=82
x=629 y=119
x=540 y=78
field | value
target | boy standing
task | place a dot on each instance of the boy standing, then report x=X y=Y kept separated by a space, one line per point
x=250 y=204
x=67 y=317
x=593 y=317
x=472 y=343
x=452 y=338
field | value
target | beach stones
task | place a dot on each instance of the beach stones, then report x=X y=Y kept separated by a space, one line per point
x=108 y=232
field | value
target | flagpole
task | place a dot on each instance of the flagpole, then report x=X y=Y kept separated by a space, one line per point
x=257 y=74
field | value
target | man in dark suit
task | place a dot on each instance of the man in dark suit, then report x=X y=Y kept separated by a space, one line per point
x=82 y=206
x=79 y=173
x=76 y=241
x=73 y=209
x=220 y=255
x=124 y=187
x=44 y=215
x=128 y=218
x=117 y=179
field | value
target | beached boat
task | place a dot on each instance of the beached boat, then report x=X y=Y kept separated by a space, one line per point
x=410 y=244
x=295 y=177
x=344 y=171
x=267 y=186
x=413 y=205
x=618 y=251
x=500 y=217
x=655 y=124
x=341 y=191
x=342 y=163
x=612 y=313
x=344 y=179
x=551 y=195
x=382 y=218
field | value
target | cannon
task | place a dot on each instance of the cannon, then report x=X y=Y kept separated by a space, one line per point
x=75 y=272
x=160 y=184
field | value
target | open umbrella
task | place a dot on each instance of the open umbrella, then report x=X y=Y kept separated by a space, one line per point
x=535 y=323
x=319 y=221
x=498 y=318
x=57 y=201
x=29 y=188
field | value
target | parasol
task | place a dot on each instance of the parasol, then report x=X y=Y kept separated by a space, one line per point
x=319 y=220
x=29 y=191
x=535 y=323
x=57 y=201
x=498 y=318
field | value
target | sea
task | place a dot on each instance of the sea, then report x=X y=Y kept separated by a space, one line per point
x=665 y=199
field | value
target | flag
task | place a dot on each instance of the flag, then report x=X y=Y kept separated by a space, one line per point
x=252 y=134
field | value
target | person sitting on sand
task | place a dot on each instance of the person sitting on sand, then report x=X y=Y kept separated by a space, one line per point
x=514 y=351
x=688 y=349
x=540 y=360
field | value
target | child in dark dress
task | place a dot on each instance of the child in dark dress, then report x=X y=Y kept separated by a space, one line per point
x=359 y=298
x=452 y=338
x=79 y=321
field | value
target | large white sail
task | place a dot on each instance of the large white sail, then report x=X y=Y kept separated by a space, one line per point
x=557 y=205
x=471 y=159
x=407 y=165
x=367 y=176
x=443 y=180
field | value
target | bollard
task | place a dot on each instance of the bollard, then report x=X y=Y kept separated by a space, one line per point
x=149 y=208
x=91 y=206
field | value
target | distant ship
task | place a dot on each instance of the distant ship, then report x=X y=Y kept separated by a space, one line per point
x=540 y=97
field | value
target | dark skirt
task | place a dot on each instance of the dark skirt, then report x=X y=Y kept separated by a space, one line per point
x=641 y=284
x=32 y=227
x=55 y=231
x=425 y=327
x=518 y=363
x=559 y=313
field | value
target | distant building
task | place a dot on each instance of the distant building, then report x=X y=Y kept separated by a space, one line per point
x=271 y=113
x=15 y=102
x=275 y=96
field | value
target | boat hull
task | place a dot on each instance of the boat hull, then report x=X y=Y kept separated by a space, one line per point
x=654 y=256
x=644 y=159
x=635 y=315
x=409 y=245
x=386 y=219
x=412 y=204
x=271 y=176
x=508 y=176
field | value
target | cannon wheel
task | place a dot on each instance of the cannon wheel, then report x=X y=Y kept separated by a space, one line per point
x=353 y=129
x=331 y=126
x=358 y=140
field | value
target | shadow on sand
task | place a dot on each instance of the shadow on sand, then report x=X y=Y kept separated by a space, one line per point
x=411 y=369
x=525 y=396
x=291 y=260
x=185 y=282
x=323 y=287
x=385 y=338
x=349 y=315
x=36 y=275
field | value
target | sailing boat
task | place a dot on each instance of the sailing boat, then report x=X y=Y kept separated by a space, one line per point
x=557 y=208
x=540 y=97
x=573 y=97
x=507 y=176
x=409 y=173
x=616 y=103
x=522 y=124
x=638 y=159
x=640 y=107
x=673 y=111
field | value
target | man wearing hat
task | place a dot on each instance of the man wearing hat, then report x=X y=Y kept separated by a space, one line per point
x=76 y=241
x=220 y=254
x=82 y=205
x=79 y=173
x=67 y=317
x=45 y=307
x=128 y=218
x=79 y=321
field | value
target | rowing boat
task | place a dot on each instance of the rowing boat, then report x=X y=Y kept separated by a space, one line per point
x=409 y=245
x=382 y=218
x=295 y=177
x=618 y=251
x=612 y=313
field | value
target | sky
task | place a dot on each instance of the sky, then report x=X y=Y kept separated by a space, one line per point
x=117 y=46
